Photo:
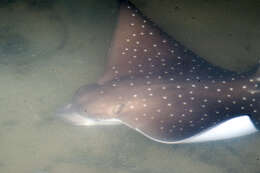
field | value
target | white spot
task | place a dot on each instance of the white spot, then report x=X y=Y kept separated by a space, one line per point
x=164 y=87
x=164 y=97
x=161 y=128
x=132 y=107
x=148 y=82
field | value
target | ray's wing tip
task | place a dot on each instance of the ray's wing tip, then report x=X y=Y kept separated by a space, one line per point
x=127 y=3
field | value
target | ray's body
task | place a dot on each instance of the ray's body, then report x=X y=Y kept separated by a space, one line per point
x=156 y=86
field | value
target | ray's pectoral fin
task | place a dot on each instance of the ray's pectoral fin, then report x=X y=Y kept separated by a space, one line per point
x=170 y=134
x=140 y=47
x=139 y=43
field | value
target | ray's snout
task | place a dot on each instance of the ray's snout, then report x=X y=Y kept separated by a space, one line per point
x=70 y=113
x=66 y=110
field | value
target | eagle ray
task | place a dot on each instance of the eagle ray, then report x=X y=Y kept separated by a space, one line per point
x=155 y=85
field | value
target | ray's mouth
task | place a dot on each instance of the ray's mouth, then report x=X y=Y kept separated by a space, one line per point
x=70 y=114
x=79 y=120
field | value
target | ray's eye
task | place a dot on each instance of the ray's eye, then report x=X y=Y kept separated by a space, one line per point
x=118 y=108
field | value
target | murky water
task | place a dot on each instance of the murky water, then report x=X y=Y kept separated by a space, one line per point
x=48 y=49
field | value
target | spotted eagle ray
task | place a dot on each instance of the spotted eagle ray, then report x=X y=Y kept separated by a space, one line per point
x=158 y=87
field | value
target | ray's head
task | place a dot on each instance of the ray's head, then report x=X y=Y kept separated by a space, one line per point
x=93 y=105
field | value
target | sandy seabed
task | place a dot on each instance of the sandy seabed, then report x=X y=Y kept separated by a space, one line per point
x=48 y=49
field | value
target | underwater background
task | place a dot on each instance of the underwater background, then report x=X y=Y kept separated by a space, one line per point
x=48 y=49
